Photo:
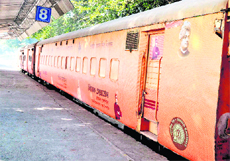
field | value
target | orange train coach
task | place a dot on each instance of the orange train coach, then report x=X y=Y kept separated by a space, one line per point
x=164 y=72
x=22 y=58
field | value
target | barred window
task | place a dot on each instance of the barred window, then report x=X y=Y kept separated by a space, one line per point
x=72 y=63
x=102 y=67
x=93 y=66
x=114 y=69
x=78 y=64
x=85 y=65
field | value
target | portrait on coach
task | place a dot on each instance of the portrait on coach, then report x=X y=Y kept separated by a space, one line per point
x=184 y=36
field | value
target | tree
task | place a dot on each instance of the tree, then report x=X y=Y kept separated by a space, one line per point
x=135 y=6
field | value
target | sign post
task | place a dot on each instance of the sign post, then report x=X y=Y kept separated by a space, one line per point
x=43 y=14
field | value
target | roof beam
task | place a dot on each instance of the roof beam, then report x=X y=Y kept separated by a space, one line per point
x=21 y=21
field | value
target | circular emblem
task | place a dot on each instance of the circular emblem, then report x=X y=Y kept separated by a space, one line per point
x=179 y=133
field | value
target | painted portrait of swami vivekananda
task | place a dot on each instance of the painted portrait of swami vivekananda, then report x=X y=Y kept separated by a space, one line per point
x=184 y=36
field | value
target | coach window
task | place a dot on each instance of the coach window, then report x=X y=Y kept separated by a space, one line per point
x=114 y=69
x=59 y=62
x=72 y=63
x=47 y=60
x=78 y=64
x=73 y=41
x=102 y=67
x=63 y=62
x=85 y=65
x=66 y=42
x=67 y=65
x=43 y=61
x=93 y=66
x=55 y=61
x=50 y=60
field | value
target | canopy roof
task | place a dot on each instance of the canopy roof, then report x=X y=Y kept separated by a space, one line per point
x=17 y=17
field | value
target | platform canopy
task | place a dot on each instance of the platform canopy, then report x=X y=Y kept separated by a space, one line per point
x=17 y=17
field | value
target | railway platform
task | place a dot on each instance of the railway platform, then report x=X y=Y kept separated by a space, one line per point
x=38 y=123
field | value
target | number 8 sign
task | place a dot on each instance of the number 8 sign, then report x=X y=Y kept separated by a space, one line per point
x=43 y=14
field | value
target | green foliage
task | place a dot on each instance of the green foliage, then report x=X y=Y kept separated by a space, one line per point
x=91 y=12
x=135 y=6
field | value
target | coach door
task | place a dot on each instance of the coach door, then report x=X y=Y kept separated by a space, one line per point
x=22 y=60
x=155 y=53
x=38 y=60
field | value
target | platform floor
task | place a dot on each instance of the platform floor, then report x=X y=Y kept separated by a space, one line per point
x=40 y=124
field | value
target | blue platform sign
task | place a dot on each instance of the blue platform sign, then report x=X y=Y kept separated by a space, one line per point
x=43 y=14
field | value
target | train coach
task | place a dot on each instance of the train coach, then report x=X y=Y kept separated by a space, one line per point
x=27 y=59
x=22 y=59
x=163 y=72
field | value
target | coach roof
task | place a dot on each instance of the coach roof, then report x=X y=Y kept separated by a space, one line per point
x=171 y=12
